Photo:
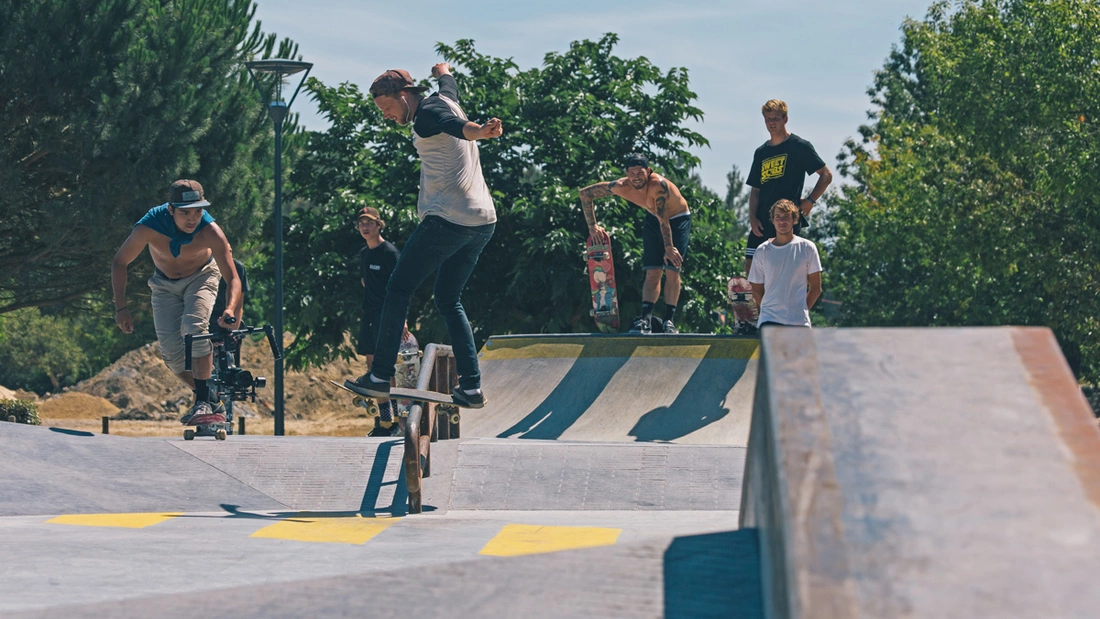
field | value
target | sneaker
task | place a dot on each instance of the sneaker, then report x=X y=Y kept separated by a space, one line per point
x=669 y=327
x=641 y=325
x=394 y=429
x=468 y=400
x=202 y=413
x=368 y=386
x=747 y=328
x=655 y=325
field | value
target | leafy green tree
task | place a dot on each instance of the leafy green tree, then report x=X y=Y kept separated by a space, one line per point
x=102 y=104
x=38 y=352
x=975 y=188
x=737 y=202
x=567 y=124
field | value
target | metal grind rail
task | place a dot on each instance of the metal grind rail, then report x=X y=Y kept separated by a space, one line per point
x=428 y=422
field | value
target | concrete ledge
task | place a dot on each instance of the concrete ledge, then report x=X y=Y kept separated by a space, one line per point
x=922 y=473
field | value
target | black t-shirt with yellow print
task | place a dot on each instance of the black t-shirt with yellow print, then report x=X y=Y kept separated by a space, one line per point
x=780 y=172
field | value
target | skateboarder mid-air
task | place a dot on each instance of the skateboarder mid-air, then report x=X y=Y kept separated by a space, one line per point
x=457 y=219
x=190 y=255
x=665 y=233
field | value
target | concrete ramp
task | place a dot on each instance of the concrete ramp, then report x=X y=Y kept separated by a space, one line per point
x=923 y=473
x=691 y=389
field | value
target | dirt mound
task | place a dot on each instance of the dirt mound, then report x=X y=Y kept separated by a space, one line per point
x=75 y=405
x=142 y=387
x=6 y=394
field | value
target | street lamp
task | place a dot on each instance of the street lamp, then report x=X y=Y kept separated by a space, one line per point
x=278 y=108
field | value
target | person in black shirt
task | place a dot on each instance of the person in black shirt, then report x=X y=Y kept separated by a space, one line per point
x=376 y=262
x=779 y=169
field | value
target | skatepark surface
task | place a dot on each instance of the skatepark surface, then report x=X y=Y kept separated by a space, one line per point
x=824 y=473
x=602 y=479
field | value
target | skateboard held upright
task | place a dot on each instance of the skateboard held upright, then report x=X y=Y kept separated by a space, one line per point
x=744 y=308
x=601 y=275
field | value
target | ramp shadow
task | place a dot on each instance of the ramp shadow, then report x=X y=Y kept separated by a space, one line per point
x=578 y=389
x=71 y=432
x=714 y=575
x=701 y=402
x=400 y=504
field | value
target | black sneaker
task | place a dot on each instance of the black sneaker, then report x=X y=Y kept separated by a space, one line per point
x=394 y=429
x=669 y=327
x=747 y=328
x=655 y=325
x=366 y=385
x=641 y=325
x=468 y=400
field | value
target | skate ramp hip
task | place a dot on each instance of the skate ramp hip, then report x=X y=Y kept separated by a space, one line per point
x=689 y=389
x=923 y=473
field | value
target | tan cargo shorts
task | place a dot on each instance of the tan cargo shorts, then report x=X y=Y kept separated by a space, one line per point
x=181 y=307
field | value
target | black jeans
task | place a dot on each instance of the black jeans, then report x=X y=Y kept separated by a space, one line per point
x=452 y=249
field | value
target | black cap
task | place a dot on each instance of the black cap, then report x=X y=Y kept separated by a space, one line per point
x=635 y=159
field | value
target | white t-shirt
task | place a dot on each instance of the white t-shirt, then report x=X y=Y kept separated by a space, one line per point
x=783 y=270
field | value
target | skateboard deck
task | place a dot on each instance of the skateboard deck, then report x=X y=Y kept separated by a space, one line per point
x=744 y=308
x=422 y=395
x=601 y=276
x=358 y=399
x=407 y=371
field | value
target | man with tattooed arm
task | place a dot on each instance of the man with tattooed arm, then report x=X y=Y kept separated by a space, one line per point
x=665 y=233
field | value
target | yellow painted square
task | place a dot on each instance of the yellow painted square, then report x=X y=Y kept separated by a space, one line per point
x=340 y=530
x=127 y=521
x=524 y=539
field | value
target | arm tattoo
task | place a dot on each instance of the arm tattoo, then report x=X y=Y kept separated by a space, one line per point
x=662 y=199
x=591 y=192
x=599 y=190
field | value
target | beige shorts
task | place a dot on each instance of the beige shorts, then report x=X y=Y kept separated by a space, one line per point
x=181 y=307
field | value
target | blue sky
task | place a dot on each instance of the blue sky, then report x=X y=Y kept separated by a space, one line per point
x=819 y=57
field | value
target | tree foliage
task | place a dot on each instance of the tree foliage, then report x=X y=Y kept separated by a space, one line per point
x=567 y=124
x=38 y=352
x=975 y=195
x=102 y=104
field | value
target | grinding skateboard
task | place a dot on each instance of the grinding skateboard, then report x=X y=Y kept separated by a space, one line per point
x=369 y=404
x=601 y=276
x=744 y=308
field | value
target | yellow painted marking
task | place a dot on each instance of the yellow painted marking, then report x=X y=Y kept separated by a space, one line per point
x=677 y=352
x=621 y=346
x=524 y=539
x=533 y=351
x=128 y=521
x=340 y=530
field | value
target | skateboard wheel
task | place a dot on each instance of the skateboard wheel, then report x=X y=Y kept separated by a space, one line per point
x=372 y=410
x=188 y=435
x=220 y=434
x=454 y=418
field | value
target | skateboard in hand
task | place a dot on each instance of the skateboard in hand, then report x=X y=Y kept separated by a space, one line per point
x=601 y=276
x=744 y=308
x=369 y=404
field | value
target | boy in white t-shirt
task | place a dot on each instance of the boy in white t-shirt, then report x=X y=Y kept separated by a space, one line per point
x=786 y=272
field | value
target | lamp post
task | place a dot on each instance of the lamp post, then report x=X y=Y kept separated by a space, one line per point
x=278 y=108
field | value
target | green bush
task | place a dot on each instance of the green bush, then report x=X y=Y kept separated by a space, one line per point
x=24 y=411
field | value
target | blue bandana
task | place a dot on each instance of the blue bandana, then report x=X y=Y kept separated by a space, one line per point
x=159 y=219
